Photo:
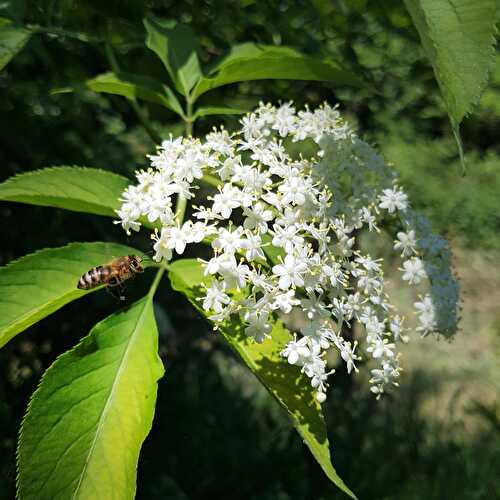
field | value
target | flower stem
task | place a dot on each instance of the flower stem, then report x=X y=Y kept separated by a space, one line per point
x=210 y=180
x=180 y=207
x=189 y=119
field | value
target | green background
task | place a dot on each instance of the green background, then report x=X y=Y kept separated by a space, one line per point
x=217 y=433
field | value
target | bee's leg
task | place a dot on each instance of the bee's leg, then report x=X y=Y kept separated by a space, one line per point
x=113 y=292
x=121 y=290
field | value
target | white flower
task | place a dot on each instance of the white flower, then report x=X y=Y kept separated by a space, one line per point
x=252 y=244
x=174 y=237
x=381 y=348
x=396 y=327
x=296 y=350
x=393 y=199
x=406 y=243
x=285 y=301
x=334 y=273
x=318 y=335
x=320 y=397
x=294 y=190
x=229 y=241
x=259 y=326
x=425 y=305
x=284 y=120
x=307 y=212
x=347 y=354
x=314 y=307
x=215 y=298
x=287 y=238
x=414 y=271
x=218 y=263
x=426 y=311
x=162 y=251
x=290 y=272
x=226 y=201
x=194 y=233
x=257 y=217
x=235 y=275
x=127 y=219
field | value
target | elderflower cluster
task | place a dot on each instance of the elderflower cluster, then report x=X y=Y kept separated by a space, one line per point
x=284 y=228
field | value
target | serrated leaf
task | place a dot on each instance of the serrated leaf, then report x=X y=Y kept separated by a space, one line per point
x=176 y=46
x=285 y=382
x=79 y=189
x=12 y=39
x=132 y=87
x=262 y=62
x=250 y=49
x=458 y=37
x=94 y=407
x=206 y=111
x=38 y=284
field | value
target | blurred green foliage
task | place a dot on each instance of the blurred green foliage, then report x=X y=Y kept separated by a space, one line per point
x=216 y=432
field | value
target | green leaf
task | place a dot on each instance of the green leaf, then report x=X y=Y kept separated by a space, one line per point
x=38 y=284
x=86 y=422
x=132 y=87
x=80 y=189
x=218 y=111
x=289 y=387
x=12 y=39
x=249 y=50
x=261 y=62
x=13 y=9
x=458 y=37
x=73 y=188
x=175 y=44
x=274 y=254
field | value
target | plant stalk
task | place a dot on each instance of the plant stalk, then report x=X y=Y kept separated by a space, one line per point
x=180 y=207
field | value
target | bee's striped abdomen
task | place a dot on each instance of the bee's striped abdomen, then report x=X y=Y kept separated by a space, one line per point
x=92 y=278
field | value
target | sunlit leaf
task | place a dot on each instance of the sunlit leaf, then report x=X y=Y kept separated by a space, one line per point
x=206 y=111
x=285 y=382
x=12 y=39
x=458 y=37
x=175 y=44
x=132 y=87
x=86 y=422
x=38 y=284
x=262 y=62
x=73 y=188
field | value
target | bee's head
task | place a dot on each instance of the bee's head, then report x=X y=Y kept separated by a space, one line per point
x=135 y=263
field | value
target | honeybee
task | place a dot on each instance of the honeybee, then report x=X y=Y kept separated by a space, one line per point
x=112 y=274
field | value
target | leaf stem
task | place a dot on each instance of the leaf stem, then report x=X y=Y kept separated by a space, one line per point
x=156 y=282
x=53 y=30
